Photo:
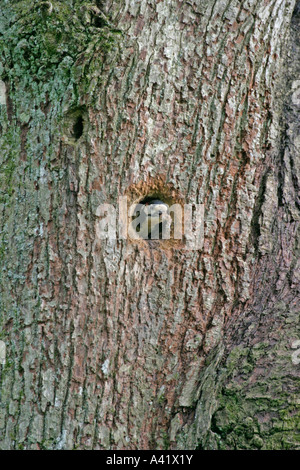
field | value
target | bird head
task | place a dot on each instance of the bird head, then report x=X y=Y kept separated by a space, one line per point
x=156 y=209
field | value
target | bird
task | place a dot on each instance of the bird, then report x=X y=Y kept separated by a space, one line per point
x=153 y=216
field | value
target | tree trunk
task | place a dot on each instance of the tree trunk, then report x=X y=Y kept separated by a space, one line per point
x=115 y=343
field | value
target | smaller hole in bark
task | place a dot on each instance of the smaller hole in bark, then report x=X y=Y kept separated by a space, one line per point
x=74 y=124
x=99 y=22
x=78 y=128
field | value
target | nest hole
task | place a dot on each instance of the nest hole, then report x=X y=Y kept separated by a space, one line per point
x=156 y=232
x=158 y=203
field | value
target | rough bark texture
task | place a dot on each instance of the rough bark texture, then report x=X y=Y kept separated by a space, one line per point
x=114 y=344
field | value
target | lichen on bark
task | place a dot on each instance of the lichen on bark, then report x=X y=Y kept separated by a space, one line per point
x=49 y=56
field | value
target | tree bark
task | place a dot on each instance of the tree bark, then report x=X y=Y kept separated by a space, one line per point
x=124 y=344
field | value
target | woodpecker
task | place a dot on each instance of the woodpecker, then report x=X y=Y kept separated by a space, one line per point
x=153 y=216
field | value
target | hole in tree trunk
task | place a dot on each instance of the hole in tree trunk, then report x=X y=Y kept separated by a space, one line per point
x=99 y=22
x=154 y=219
x=74 y=124
x=155 y=213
